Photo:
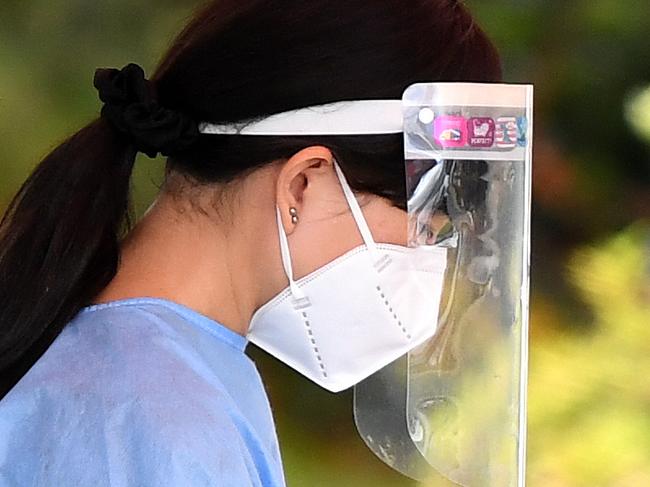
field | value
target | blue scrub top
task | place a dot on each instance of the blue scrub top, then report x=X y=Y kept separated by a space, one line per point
x=140 y=392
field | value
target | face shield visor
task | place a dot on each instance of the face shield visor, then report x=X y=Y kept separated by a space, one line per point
x=448 y=396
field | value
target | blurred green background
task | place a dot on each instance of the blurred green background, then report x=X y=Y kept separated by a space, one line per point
x=589 y=394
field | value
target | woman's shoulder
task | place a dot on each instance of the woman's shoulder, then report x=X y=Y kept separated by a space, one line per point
x=133 y=351
x=127 y=344
x=125 y=389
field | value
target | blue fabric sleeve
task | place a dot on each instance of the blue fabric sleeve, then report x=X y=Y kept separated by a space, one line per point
x=82 y=441
x=144 y=393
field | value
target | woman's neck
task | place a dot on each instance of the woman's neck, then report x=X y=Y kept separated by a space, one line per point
x=190 y=259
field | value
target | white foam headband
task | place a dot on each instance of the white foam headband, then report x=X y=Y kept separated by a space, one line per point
x=360 y=117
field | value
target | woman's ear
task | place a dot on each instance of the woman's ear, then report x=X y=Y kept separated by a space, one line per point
x=303 y=169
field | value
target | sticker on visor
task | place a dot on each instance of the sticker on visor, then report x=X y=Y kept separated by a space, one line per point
x=442 y=122
x=473 y=128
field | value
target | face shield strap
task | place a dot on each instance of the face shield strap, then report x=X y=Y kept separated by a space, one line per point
x=354 y=117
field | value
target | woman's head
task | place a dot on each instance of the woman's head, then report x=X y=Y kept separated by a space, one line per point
x=269 y=57
x=236 y=60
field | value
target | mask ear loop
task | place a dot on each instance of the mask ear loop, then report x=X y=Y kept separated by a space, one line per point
x=362 y=225
x=360 y=220
x=286 y=259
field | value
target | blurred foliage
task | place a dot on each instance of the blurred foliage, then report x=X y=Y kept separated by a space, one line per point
x=590 y=63
x=638 y=112
x=589 y=392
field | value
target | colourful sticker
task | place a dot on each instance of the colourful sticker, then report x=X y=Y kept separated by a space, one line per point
x=481 y=131
x=522 y=125
x=450 y=131
x=506 y=132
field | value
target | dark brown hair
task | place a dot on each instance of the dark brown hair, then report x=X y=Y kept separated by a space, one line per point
x=235 y=60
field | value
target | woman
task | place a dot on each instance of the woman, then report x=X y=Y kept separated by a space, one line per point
x=122 y=351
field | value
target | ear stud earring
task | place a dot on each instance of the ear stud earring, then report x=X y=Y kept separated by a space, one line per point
x=294 y=215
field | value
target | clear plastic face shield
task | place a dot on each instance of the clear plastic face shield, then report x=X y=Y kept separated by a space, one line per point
x=451 y=400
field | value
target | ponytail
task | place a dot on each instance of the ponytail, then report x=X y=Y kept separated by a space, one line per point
x=59 y=242
x=59 y=239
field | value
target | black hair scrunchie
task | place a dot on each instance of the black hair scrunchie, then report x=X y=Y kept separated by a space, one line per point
x=131 y=106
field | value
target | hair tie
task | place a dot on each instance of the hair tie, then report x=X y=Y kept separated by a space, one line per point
x=130 y=105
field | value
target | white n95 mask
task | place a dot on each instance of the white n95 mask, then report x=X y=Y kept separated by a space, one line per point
x=355 y=315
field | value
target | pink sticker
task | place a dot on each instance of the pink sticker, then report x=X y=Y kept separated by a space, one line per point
x=450 y=131
x=481 y=131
